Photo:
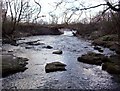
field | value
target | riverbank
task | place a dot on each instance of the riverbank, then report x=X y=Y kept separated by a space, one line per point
x=98 y=38
x=12 y=64
x=25 y=30
x=110 y=64
x=107 y=41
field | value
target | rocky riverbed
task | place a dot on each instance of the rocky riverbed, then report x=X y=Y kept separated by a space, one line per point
x=109 y=41
x=78 y=75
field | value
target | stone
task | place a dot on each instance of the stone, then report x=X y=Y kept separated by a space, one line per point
x=99 y=42
x=85 y=47
x=33 y=43
x=10 y=51
x=98 y=48
x=29 y=47
x=48 y=47
x=57 y=52
x=93 y=58
x=55 y=66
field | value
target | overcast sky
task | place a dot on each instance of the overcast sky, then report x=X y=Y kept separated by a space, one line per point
x=49 y=5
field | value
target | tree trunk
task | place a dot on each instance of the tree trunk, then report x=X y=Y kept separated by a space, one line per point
x=119 y=27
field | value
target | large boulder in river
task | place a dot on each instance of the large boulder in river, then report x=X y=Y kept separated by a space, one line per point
x=55 y=66
x=57 y=52
x=12 y=64
x=93 y=58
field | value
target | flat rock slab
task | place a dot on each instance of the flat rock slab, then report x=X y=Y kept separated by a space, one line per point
x=55 y=66
x=57 y=52
x=93 y=58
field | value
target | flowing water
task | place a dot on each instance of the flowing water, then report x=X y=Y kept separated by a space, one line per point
x=77 y=76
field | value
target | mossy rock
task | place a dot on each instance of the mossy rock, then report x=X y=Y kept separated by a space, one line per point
x=109 y=41
x=111 y=68
x=98 y=42
x=112 y=37
x=107 y=38
x=93 y=58
x=55 y=66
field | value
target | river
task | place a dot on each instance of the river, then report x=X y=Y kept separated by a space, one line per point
x=77 y=76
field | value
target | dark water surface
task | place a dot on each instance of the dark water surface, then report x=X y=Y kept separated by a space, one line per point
x=78 y=75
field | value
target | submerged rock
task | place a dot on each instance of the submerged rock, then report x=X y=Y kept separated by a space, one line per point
x=93 y=58
x=49 y=47
x=29 y=47
x=55 y=66
x=57 y=52
x=12 y=64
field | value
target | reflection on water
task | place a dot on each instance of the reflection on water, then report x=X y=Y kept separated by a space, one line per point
x=78 y=75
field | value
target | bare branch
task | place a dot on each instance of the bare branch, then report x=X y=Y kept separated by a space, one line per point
x=114 y=7
x=76 y=9
x=10 y=10
x=39 y=10
x=21 y=8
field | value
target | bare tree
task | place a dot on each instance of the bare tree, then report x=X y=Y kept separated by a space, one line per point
x=1 y=19
x=39 y=10
x=20 y=11
x=81 y=7
x=53 y=18
x=115 y=8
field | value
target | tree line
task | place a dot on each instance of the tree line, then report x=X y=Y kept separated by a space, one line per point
x=15 y=12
